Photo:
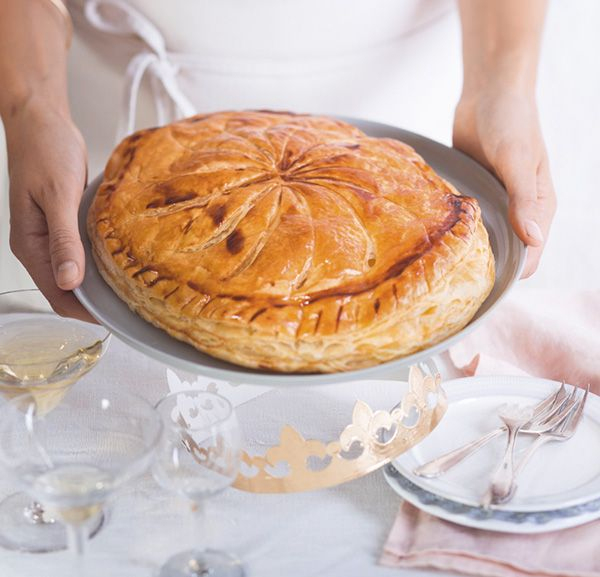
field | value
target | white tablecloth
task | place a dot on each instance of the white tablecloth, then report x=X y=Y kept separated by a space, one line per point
x=336 y=532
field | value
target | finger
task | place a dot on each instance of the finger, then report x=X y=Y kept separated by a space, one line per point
x=534 y=255
x=66 y=251
x=546 y=199
x=64 y=303
x=546 y=196
x=30 y=245
x=518 y=171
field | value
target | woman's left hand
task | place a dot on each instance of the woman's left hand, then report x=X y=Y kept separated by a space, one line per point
x=501 y=131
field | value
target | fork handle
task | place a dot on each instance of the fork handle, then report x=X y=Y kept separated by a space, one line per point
x=497 y=497
x=440 y=465
x=502 y=485
x=540 y=440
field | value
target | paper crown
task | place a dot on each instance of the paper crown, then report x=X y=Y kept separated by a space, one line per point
x=371 y=440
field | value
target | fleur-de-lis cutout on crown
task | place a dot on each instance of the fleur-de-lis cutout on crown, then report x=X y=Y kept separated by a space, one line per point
x=377 y=436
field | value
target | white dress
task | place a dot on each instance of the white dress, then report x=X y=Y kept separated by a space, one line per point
x=144 y=62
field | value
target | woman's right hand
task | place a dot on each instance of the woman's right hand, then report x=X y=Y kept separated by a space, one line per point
x=47 y=168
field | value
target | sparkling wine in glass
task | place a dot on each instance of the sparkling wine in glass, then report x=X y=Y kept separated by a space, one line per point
x=42 y=355
x=73 y=457
x=198 y=457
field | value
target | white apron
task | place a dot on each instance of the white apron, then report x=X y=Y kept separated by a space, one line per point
x=136 y=63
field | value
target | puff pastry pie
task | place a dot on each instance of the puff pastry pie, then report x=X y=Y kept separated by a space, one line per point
x=288 y=242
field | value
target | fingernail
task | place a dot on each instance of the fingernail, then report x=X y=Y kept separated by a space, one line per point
x=67 y=272
x=534 y=232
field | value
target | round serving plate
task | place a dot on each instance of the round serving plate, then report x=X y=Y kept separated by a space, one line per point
x=493 y=520
x=559 y=488
x=468 y=177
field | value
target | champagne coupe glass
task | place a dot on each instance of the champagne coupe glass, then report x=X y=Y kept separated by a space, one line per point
x=198 y=457
x=41 y=354
x=73 y=457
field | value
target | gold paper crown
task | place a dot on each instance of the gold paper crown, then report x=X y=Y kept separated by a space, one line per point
x=380 y=435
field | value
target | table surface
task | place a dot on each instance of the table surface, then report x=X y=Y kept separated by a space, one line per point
x=334 y=532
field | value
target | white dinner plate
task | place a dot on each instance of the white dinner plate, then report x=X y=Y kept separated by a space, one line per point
x=560 y=487
x=468 y=176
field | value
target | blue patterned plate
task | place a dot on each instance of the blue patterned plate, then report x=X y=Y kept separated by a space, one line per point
x=559 y=488
x=501 y=520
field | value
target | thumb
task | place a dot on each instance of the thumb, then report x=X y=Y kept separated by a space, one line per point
x=66 y=250
x=520 y=179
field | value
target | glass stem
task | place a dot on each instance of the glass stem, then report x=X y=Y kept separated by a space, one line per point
x=199 y=517
x=76 y=539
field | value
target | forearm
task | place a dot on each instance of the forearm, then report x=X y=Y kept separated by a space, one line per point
x=501 y=43
x=496 y=120
x=33 y=56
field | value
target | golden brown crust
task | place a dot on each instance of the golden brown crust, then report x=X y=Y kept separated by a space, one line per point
x=288 y=242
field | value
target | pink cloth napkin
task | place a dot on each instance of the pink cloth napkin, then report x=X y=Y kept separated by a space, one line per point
x=541 y=333
x=535 y=332
x=420 y=541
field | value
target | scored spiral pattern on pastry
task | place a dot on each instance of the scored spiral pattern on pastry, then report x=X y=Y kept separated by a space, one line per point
x=288 y=242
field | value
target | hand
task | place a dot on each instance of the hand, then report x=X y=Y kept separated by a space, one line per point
x=47 y=168
x=501 y=131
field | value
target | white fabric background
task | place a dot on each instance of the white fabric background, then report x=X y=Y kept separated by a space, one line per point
x=336 y=532
x=421 y=98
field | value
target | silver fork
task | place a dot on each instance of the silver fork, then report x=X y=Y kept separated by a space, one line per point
x=563 y=430
x=541 y=413
x=504 y=473
x=514 y=417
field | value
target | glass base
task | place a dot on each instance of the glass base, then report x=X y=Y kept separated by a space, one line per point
x=202 y=564
x=19 y=532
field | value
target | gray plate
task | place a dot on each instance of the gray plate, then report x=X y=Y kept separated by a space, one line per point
x=468 y=177
x=492 y=519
